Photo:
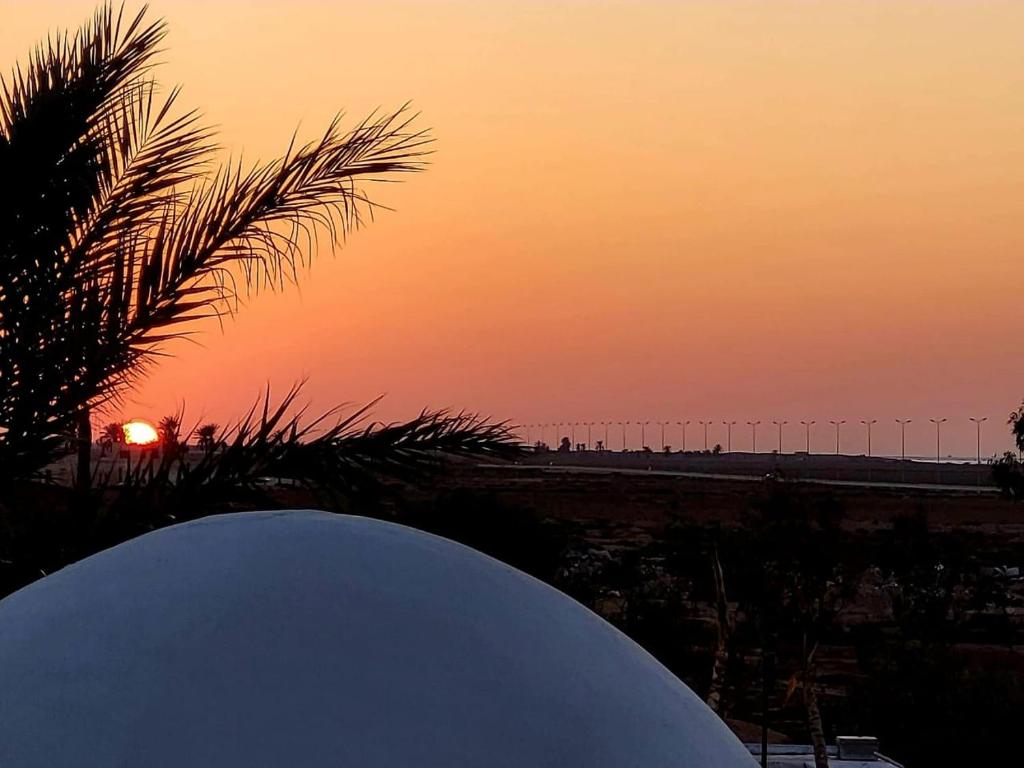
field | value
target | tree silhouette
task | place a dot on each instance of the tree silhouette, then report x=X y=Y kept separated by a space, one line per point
x=803 y=582
x=112 y=434
x=207 y=436
x=169 y=430
x=1016 y=422
x=115 y=236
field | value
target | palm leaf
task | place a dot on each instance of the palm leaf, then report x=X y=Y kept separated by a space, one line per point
x=330 y=455
x=114 y=241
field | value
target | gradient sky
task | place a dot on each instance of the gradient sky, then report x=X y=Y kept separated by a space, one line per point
x=637 y=210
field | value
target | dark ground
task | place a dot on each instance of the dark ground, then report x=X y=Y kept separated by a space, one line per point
x=925 y=648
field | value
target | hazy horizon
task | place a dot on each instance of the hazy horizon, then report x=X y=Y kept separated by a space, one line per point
x=636 y=211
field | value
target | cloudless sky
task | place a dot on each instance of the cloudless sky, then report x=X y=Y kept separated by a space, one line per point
x=637 y=210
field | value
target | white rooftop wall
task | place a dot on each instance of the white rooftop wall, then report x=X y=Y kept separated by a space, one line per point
x=310 y=639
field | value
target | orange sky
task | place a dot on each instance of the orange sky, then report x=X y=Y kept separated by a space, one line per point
x=637 y=210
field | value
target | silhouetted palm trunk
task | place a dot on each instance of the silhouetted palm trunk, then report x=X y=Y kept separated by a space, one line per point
x=84 y=438
x=724 y=630
x=814 y=724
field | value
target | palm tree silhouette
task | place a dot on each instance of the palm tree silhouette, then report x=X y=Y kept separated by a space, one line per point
x=115 y=236
x=207 y=436
x=169 y=429
x=112 y=434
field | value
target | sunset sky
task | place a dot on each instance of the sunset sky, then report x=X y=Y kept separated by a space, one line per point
x=636 y=210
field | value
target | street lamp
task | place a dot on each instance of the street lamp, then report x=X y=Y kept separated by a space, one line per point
x=753 y=435
x=903 y=447
x=728 y=435
x=807 y=435
x=662 y=425
x=643 y=434
x=683 y=424
x=705 y=425
x=938 y=452
x=836 y=425
x=624 y=423
x=606 y=446
x=780 y=424
x=868 y=423
x=903 y=437
x=977 y=423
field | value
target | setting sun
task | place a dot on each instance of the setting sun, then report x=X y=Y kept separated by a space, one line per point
x=138 y=432
x=703 y=314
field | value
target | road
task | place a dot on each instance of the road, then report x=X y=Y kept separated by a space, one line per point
x=572 y=469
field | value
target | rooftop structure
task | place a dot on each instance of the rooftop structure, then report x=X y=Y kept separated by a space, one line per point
x=849 y=752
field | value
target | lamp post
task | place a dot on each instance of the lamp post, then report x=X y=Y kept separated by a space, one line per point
x=643 y=434
x=728 y=435
x=753 y=435
x=903 y=447
x=868 y=423
x=606 y=446
x=683 y=424
x=807 y=436
x=977 y=424
x=624 y=423
x=903 y=437
x=589 y=424
x=662 y=425
x=938 y=450
x=836 y=425
x=705 y=425
x=780 y=425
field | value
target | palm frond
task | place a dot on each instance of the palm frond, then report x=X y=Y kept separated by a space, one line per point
x=340 y=457
x=52 y=114
x=113 y=239
x=252 y=220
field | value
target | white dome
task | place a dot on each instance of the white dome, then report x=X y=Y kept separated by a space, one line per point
x=312 y=639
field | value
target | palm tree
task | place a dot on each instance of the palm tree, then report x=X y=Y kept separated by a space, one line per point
x=116 y=237
x=207 y=436
x=724 y=625
x=806 y=679
x=112 y=434
x=169 y=429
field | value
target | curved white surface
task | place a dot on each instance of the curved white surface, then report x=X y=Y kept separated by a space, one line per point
x=312 y=639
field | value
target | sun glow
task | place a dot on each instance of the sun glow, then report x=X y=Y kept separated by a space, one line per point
x=138 y=432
